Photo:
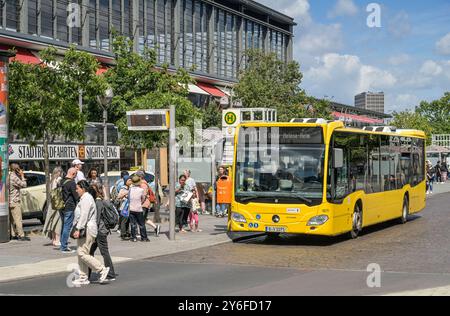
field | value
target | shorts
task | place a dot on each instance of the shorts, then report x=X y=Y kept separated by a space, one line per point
x=193 y=218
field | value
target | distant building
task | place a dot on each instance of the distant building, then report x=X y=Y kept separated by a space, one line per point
x=373 y=101
x=358 y=117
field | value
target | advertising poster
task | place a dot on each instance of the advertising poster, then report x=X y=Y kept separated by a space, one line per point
x=3 y=138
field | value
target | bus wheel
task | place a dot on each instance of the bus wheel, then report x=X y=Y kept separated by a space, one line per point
x=356 y=222
x=405 y=211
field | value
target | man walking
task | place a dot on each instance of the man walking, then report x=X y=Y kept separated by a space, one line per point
x=70 y=197
x=16 y=182
x=78 y=165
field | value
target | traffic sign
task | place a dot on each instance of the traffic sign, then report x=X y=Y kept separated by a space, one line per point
x=148 y=120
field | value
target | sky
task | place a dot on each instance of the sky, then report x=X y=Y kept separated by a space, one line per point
x=407 y=56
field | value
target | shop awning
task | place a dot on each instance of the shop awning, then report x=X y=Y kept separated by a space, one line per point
x=192 y=88
x=24 y=56
x=357 y=118
x=102 y=69
x=212 y=90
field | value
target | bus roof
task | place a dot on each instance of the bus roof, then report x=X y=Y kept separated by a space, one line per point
x=338 y=125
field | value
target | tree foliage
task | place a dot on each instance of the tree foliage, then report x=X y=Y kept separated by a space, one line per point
x=268 y=82
x=437 y=114
x=412 y=120
x=138 y=84
x=44 y=97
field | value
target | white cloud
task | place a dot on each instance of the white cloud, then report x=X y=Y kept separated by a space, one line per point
x=431 y=68
x=400 y=25
x=399 y=59
x=344 y=76
x=443 y=45
x=343 y=8
x=297 y=9
x=319 y=39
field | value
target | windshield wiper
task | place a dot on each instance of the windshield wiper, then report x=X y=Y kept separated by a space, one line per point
x=250 y=198
x=297 y=196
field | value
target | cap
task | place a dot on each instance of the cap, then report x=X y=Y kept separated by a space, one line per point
x=140 y=173
x=77 y=162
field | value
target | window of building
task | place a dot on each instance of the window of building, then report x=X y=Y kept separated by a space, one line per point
x=103 y=25
x=47 y=19
x=32 y=17
x=62 y=32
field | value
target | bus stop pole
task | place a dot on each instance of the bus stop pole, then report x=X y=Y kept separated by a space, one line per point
x=4 y=176
x=172 y=172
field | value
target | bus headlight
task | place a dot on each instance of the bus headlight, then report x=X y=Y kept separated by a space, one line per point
x=318 y=220
x=238 y=218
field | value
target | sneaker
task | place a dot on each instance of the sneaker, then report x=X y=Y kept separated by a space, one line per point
x=145 y=240
x=110 y=279
x=14 y=238
x=104 y=274
x=24 y=238
x=80 y=282
x=68 y=251
x=133 y=239
x=157 y=230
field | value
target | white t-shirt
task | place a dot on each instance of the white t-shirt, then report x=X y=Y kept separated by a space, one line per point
x=80 y=176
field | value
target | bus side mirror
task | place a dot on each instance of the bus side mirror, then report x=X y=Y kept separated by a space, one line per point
x=338 y=158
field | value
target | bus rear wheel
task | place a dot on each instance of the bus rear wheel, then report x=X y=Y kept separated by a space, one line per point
x=405 y=211
x=356 y=222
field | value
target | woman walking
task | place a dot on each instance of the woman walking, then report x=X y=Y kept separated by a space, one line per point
x=85 y=231
x=101 y=241
x=93 y=177
x=53 y=223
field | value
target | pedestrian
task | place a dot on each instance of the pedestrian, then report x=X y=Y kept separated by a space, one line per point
x=137 y=198
x=430 y=177
x=17 y=182
x=124 y=221
x=191 y=187
x=223 y=192
x=438 y=172
x=53 y=223
x=115 y=190
x=202 y=198
x=78 y=164
x=101 y=242
x=85 y=230
x=444 y=171
x=93 y=177
x=70 y=197
x=148 y=203
x=182 y=194
x=193 y=214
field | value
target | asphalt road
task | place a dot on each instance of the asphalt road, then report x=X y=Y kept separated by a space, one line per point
x=412 y=256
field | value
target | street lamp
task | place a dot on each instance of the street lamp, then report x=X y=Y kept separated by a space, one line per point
x=105 y=102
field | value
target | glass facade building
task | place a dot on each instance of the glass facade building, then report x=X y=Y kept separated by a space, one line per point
x=206 y=37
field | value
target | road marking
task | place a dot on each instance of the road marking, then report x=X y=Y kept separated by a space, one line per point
x=437 y=291
x=42 y=268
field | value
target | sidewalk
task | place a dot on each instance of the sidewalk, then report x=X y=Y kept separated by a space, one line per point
x=439 y=188
x=21 y=260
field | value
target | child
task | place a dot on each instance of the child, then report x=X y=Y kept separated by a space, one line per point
x=193 y=215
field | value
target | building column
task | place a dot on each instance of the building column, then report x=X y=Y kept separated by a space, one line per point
x=85 y=23
x=290 y=46
x=135 y=32
x=55 y=19
x=176 y=36
x=110 y=25
x=239 y=45
x=23 y=16
x=211 y=45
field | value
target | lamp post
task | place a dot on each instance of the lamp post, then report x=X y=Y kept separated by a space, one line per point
x=105 y=102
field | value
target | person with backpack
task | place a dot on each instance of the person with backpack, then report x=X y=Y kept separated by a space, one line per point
x=107 y=218
x=149 y=199
x=70 y=198
x=53 y=223
x=124 y=221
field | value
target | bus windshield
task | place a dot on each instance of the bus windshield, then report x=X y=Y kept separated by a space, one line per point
x=281 y=165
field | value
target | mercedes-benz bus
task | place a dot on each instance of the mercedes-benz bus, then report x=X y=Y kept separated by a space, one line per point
x=319 y=177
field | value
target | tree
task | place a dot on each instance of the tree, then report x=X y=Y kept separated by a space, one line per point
x=437 y=114
x=44 y=98
x=412 y=120
x=138 y=84
x=212 y=116
x=268 y=82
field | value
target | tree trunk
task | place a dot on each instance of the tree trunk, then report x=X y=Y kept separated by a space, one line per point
x=157 y=206
x=47 y=171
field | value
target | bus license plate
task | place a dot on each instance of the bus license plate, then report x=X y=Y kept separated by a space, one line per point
x=275 y=229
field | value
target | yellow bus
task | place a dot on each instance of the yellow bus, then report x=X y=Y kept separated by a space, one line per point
x=318 y=177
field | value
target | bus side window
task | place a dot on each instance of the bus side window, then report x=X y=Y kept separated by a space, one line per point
x=341 y=185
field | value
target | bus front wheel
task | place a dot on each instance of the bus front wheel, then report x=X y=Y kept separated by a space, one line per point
x=405 y=211
x=356 y=222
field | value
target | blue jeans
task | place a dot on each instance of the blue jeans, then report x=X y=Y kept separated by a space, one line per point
x=221 y=208
x=67 y=222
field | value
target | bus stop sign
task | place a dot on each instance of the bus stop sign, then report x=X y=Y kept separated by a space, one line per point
x=148 y=120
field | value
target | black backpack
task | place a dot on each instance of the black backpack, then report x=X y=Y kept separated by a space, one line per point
x=109 y=215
